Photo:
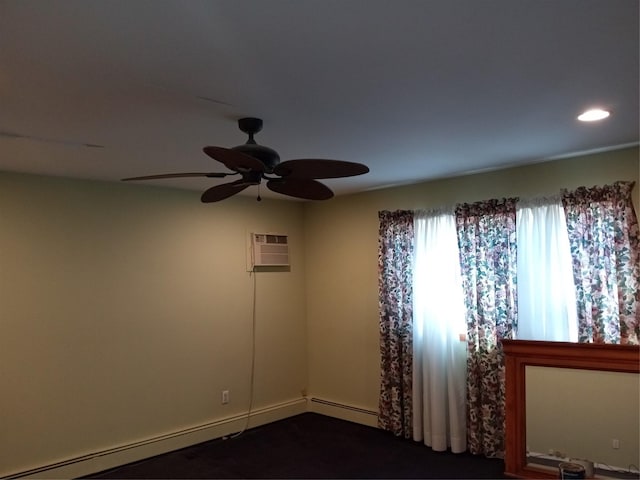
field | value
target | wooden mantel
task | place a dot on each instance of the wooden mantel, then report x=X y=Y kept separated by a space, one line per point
x=522 y=353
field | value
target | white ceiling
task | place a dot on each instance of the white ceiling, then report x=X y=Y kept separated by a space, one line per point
x=415 y=89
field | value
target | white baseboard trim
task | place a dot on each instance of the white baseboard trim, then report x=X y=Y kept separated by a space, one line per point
x=132 y=452
x=343 y=411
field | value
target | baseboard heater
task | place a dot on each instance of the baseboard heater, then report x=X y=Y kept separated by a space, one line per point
x=122 y=448
x=343 y=406
x=153 y=440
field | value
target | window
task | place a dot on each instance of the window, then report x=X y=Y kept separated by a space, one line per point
x=546 y=292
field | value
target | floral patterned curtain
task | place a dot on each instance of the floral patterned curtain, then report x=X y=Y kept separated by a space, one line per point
x=395 y=279
x=487 y=241
x=604 y=241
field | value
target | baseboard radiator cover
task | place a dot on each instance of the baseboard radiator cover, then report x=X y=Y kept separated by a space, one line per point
x=343 y=411
x=123 y=454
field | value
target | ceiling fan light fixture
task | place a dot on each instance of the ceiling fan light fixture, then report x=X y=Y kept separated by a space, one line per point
x=593 y=115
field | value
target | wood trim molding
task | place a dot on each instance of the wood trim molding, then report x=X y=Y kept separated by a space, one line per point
x=521 y=353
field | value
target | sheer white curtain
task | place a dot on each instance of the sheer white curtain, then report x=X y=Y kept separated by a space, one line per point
x=546 y=292
x=439 y=354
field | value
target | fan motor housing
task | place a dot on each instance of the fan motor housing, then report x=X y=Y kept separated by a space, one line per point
x=268 y=156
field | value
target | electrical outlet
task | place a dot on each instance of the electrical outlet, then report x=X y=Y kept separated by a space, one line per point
x=225 y=397
x=615 y=443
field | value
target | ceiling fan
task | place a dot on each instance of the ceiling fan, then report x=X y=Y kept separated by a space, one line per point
x=254 y=162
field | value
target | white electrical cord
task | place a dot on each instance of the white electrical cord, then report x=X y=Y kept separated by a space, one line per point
x=253 y=358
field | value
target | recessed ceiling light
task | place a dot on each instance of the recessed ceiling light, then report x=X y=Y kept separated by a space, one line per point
x=593 y=115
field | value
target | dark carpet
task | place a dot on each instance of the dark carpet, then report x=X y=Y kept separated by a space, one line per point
x=310 y=446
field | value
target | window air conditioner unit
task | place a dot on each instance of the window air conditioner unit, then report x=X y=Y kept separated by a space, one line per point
x=270 y=250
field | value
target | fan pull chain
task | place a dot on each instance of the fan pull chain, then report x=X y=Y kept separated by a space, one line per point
x=259 y=198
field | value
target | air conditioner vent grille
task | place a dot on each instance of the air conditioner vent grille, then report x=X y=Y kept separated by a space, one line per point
x=270 y=250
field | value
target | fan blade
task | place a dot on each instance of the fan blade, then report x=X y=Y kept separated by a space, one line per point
x=220 y=192
x=301 y=188
x=318 y=168
x=180 y=175
x=234 y=160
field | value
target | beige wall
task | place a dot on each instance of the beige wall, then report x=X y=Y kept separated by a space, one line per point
x=580 y=412
x=341 y=260
x=125 y=310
